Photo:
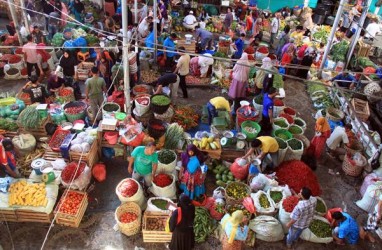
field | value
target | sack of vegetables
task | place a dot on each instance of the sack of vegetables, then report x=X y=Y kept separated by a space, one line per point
x=235 y=192
x=164 y=186
x=280 y=123
x=277 y=194
x=319 y=231
x=160 y=103
x=129 y=190
x=295 y=150
x=321 y=207
x=158 y=204
x=166 y=161
x=263 y=203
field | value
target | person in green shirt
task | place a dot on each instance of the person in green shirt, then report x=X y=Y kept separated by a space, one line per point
x=145 y=160
x=95 y=88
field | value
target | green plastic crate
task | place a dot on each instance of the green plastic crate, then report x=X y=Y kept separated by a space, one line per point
x=225 y=114
x=220 y=123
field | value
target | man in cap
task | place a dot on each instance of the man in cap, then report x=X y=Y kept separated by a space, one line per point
x=189 y=21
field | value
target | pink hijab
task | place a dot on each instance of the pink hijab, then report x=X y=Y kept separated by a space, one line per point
x=241 y=69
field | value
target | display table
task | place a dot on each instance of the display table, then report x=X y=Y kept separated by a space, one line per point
x=40 y=131
x=190 y=47
x=101 y=142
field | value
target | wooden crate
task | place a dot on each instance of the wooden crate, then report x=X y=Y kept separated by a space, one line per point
x=231 y=154
x=72 y=220
x=51 y=156
x=40 y=131
x=90 y=157
x=361 y=108
x=363 y=49
x=214 y=154
x=8 y=215
x=155 y=236
x=32 y=216
x=190 y=47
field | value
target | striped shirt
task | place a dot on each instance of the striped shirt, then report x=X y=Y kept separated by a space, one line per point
x=303 y=213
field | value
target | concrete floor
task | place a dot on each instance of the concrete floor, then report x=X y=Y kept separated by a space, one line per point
x=96 y=230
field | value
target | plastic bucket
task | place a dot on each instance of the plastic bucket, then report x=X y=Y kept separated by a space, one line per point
x=242 y=118
x=107 y=114
x=252 y=124
x=111 y=137
x=283 y=134
x=141 y=109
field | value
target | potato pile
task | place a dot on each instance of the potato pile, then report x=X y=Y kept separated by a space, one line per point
x=156 y=224
x=27 y=194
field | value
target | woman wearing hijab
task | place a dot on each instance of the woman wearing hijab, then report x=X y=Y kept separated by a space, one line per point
x=228 y=20
x=182 y=225
x=318 y=142
x=257 y=29
x=237 y=89
x=77 y=7
x=260 y=74
x=234 y=234
x=191 y=176
x=306 y=62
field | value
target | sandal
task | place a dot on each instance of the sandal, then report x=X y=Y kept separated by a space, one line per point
x=331 y=171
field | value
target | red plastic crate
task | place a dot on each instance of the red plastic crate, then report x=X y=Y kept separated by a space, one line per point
x=58 y=132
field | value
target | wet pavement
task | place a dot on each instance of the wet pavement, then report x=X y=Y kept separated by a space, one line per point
x=96 y=230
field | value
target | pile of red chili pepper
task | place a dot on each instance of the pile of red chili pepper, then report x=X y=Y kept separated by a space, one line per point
x=24 y=72
x=186 y=117
x=289 y=111
x=249 y=50
x=128 y=188
x=57 y=139
x=6 y=57
x=288 y=118
x=14 y=59
x=162 y=180
x=74 y=110
x=65 y=92
x=70 y=173
x=296 y=174
x=263 y=50
x=19 y=51
x=278 y=102
x=289 y=203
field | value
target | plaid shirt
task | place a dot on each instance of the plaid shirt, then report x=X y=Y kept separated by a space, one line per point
x=303 y=213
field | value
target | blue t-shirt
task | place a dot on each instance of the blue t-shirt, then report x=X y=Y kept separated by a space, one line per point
x=267 y=105
x=348 y=230
x=252 y=3
x=150 y=40
x=240 y=46
x=344 y=81
x=169 y=45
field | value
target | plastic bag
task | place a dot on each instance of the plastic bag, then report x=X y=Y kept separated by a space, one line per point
x=82 y=181
x=309 y=236
x=219 y=192
x=76 y=148
x=76 y=141
x=82 y=135
x=370 y=198
x=267 y=228
x=262 y=210
x=85 y=147
x=99 y=172
x=153 y=208
x=59 y=164
x=258 y=182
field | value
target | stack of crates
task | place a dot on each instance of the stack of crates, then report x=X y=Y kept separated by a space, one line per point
x=223 y=120
x=204 y=115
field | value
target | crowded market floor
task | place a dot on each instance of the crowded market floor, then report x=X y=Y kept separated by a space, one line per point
x=96 y=229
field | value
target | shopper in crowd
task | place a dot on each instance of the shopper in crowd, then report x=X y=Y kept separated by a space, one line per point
x=257 y=30
x=133 y=67
x=109 y=23
x=145 y=160
x=189 y=21
x=374 y=223
x=200 y=65
x=8 y=158
x=238 y=45
x=111 y=6
x=301 y=216
x=267 y=145
x=249 y=22
x=345 y=80
x=203 y=16
x=205 y=38
x=170 y=48
x=144 y=27
x=30 y=56
x=283 y=39
x=55 y=83
x=191 y=176
x=47 y=9
x=287 y=46
x=104 y=66
x=306 y=63
x=288 y=56
x=166 y=23
x=170 y=80
x=228 y=19
x=182 y=225
x=317 y=144
x=182 y=69
x=214 y=104
x=267 y=114
x=298 y=34
x=372 y=29
x=150 y=39
x=54 y=24
x=346 y=229
x=68 y=64
x=77 y=8
x=42 y=59
x=234 y=233
x=265 y=69
x=338 y=136
x=240 y=75
x=36 y=91
x=38 y=36
x=275 y=26
x=95 y=88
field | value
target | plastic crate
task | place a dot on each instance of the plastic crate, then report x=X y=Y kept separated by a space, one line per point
x=54 y=137
x=220 y=123
x=65 y=145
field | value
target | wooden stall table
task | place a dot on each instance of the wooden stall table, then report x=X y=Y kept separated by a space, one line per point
x=38 y=132
x=190 y=47
x=103 y=143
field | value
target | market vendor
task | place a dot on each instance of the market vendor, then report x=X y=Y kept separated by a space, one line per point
x=214 y=104
x=145 y=160
x=346 y=229
x=189 y=21
x=36 y=91
x=234 y=234
x=338 y=136
x=7 y=158
x=170 y=80
x=345 y=80
x=298 y=35
x=200 y=65
x=143 y=28
x=204 y=37
x=170 y=48
x=267 y=145
x=55 y=83
x=238 y=45
x=267 y=114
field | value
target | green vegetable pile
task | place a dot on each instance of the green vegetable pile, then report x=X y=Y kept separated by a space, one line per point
x=264 y=202
x=58 y=40
x=8 y=124
x=91 y=39
x=299 y=122
x=159 y=203
x=320 y=207
x=281 y=135
x=161 y=100
x=166 y=156
x=321 y=35
x=110 y=107
x=233 y=208
x=313 y=87
x=259 y=99
x=365 y=62
x=237 y=190
x=276 y=196
x=282 y=143
x=220 y=54
x=295 y=130
x=203 y=224
x=281 y=123
x=339 y=51
x=295 y=144
x=174 y=134
x=320 y=229
x=29 y=118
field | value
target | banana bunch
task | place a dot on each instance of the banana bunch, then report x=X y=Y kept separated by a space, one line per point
x=27 y=194
x=207 y=143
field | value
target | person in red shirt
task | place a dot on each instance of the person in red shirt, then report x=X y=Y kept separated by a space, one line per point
x=7 y=158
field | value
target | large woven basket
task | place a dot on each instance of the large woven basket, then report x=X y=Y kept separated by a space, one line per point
x=352 y=169
x=68 y=98
x=232 y=201
x=158 y=109
x=134 y=227
x=357 y=148
x=329 y=114
x=79 y=116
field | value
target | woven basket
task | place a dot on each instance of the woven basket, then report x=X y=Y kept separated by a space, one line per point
x=154 y=132
x=157 y=109
x=131 y=228
x=350 y=169
x=232 y=201
x=167 y=116
x=79 y=116
x=68 y=98
x=147 y=91
x=357 y=148
x=331 y=110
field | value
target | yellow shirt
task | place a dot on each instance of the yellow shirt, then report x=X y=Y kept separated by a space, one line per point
x=184 y=65
x=297 y=36
x=220 y=103
x=268 y=144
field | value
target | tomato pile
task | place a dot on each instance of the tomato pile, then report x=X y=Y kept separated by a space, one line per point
x=14 y=59
x=71 y=203
x=250 y=50
x=65 y=92
x=57 y=139
x=74 y=110
x=128 y=188
x=162 y=180
x=24 y=95
x=289 y=203
x=296 y=174
x=24 y=72
x=128 y=217
x=143 y=100
x=140 y=89
x=278 y=103
x=70 y=171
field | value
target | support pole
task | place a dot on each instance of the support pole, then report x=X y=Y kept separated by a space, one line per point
x=357 y=33
x=25 y=16
x=125 y=56
x=11 y=6
x=332 y=33
x=155 y=30
x=136 y=11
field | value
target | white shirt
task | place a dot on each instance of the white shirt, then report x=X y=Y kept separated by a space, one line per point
x=336 y=137
x=202 y=25
x=275 y=25
x=189 y=19
x=372 y=29
x=143 y=28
